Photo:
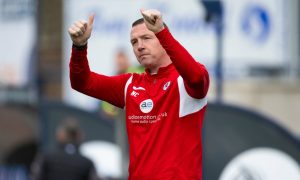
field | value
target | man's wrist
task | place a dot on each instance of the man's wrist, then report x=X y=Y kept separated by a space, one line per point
x=79 y=47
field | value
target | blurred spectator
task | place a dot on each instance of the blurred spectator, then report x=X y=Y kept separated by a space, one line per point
x=122 y=63
x=65 y=163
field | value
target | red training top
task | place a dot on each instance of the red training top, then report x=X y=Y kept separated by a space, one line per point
x=164 y=112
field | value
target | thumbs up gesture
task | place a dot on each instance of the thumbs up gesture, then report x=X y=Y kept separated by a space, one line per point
x=153 y=20
x=81 y=31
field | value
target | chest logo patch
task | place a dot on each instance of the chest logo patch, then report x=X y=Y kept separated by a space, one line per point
x=146 y=106
x=166 y=85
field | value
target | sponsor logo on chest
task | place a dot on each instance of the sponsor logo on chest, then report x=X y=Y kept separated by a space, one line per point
x=146 y=106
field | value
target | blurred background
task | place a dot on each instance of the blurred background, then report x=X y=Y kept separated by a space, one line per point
x=250 y=47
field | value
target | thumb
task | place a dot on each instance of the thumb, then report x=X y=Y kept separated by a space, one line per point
x=148 y=16
x=91 y=20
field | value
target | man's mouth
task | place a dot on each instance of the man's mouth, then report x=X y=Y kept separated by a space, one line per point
x=143 y=56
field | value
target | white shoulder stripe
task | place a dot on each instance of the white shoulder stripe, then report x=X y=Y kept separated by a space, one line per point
x=126 y=86
x=188 y=104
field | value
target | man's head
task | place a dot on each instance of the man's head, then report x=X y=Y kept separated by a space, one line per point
x=122 y=61
x=147 y=47
x=69 y=132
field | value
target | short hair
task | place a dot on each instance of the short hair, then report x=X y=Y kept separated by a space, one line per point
x=141 y=21
x=71 y=128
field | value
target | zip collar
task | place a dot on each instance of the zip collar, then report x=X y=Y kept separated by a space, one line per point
x=162 y=71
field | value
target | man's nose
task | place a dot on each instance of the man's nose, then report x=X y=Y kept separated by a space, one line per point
x=141 y=45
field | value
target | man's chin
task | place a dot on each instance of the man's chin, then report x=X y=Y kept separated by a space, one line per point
x=146 y=63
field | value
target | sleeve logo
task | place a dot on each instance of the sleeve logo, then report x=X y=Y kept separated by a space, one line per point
x=146 y=106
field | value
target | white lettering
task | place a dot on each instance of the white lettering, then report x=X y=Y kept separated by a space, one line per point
x=147 y=119
x=134 y=94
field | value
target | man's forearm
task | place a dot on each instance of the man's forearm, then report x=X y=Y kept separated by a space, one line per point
x=79 y=68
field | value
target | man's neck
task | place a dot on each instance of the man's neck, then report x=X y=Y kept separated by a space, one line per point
x=154 y=71
x=167 y=61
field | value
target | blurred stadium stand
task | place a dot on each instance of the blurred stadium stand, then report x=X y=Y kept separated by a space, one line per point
x=94 y=126
x=231 y=130
x=228 y=131
x=18 y=140
x=13 y=173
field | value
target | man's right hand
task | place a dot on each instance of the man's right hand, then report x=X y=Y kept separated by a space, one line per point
x=81 y=31
x=153 y=20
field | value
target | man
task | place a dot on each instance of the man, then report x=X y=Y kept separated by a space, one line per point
x=164 y=106
x=66 y=162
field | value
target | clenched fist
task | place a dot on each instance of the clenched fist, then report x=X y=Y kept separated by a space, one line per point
x=81 y=31
x=153 y=20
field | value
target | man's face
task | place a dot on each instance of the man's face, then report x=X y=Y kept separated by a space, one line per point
x=146 y=46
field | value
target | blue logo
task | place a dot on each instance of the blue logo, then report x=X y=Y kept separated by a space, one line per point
x=146 y=105
x=256 y=23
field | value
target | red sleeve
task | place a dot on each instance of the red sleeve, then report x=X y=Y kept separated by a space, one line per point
x=194 y=74
x=106 y=88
